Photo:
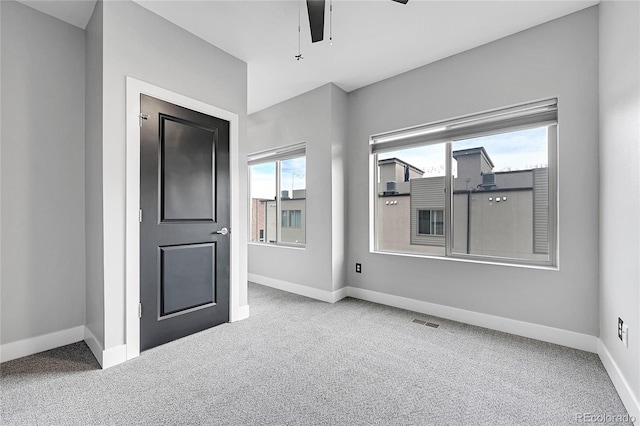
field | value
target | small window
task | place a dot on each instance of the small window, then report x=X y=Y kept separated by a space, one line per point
x=431 y=222
x=292 y=218
x=277 y=189
x=295 y=218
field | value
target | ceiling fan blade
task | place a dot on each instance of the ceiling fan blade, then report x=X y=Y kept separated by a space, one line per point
x=316 y=19
x=401 y=1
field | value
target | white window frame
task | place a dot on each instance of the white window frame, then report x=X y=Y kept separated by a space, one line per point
x=276 y=155
x=531 y=115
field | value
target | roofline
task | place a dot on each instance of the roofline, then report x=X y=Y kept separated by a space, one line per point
x=399 y=161
x=519 y=171
x=473 y=151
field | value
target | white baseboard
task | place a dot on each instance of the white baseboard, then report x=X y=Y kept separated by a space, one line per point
x=627 y=396
x=339 y=294
x=302 y=290
x=94 y=346
x=106 y=358
x=240 y=314
x=558 y=336
x=33 y=345
x=544 y=333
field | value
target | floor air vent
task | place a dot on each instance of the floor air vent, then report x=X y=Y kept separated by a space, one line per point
x=428 y=324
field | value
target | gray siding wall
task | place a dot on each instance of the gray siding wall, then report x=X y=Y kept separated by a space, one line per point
x=426 y=194
x=541 y=210
x=520 y=179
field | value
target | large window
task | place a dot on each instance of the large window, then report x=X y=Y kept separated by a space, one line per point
x=277 y=189
x=479 y=187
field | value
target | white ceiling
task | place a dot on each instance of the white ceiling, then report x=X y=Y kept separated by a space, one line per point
x=372 y=40
x=74 y=12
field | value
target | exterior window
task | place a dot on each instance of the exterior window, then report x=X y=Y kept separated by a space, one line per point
x=431 y=222
x=278 y=189
x=480 y=187
x=292 y=218
x=295 y=218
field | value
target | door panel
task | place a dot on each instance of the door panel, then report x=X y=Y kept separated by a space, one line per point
x=184 y=196
x=188 y=178
x=187 y=278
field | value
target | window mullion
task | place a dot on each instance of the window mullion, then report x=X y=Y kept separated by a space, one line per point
x=278 y=203
x=448 y=200
x=552 y=141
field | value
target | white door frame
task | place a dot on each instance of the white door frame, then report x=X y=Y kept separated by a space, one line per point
x=132 y=225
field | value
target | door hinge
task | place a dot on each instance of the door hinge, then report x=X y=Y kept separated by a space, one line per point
x=142 y=117
x=139 y=310
x=140 y=215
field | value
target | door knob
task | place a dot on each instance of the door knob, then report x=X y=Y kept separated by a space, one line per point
x=223 y=231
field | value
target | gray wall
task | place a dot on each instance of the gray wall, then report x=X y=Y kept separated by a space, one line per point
x=307 y=118
x=559 y=58
x=620 y=182
x=42 y=168
x=93 y=176
x=339 y=164
x=1 y=179
x=142 y=45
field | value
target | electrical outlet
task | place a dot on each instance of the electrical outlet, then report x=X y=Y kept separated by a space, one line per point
x=620 y=324
x=358 y=268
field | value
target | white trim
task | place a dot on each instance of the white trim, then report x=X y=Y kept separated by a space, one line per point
x=114 y=356
x=33 y=345
x=95 y=347
x=132 y=268
x=242 y=313
x=544 y=333
x=557 y=336
x=619 y=382
x=466 y=260
x=106 y=358
x=277 y=154
x=279 y=245
x=302 y=290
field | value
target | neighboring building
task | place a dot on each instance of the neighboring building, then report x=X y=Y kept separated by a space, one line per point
x=258 y=216
x=501 y=214
x=264 y=213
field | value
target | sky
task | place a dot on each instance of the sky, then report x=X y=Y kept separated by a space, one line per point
x=525 y=149
x=520 y=150
x=263 y=177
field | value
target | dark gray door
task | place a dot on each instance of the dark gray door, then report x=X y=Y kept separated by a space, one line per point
x=184 y=197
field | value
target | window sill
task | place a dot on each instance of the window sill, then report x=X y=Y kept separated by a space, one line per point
x=468 y=260
x=279 y=245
